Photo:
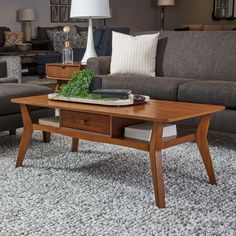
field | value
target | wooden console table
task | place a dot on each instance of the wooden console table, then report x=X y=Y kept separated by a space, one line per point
x=29 y=58
x=106 y=124
x=61 y=72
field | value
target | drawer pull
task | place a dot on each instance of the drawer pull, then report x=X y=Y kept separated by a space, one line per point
x=83 y=122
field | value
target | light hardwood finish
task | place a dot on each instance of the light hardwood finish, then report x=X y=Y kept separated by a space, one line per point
x=61 y=72
x=106 y=124
x=155 y=110
x=26 y=136
x=201 y=139
x=156 y=164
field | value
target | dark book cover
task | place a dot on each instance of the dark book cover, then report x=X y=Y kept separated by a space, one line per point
x=113 y=93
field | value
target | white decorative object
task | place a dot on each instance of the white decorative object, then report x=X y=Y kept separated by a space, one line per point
x=143 y=131
x=164 y=3
x=134 y=55
x=105 y=102
x=90 y=9
x=26 y=16
x=67 y=52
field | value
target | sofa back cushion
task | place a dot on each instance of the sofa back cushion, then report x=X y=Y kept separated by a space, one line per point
x=2 y=35
x=42 y=31
x=3 y=69
x=104 y=41
x=75 y=40
x=205 y=55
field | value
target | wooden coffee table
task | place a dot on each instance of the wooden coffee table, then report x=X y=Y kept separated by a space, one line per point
x=106 y=124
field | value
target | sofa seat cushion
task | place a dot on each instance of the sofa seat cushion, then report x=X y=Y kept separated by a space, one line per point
x=210 y=92
x=13 y=90
x=156 y=87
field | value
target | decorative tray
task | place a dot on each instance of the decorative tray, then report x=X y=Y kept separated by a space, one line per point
x=105 y=102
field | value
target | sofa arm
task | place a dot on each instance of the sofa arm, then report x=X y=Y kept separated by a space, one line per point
x=13 y=66
x=99 y=65
x=4 y=80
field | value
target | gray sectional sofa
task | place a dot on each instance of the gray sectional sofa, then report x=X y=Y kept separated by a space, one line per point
x=10 y=87
x=191 y=66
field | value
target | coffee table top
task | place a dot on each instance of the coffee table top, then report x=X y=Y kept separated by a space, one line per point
x=155 y=110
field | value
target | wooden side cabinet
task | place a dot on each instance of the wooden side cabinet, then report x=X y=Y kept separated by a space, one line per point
x=61 y=72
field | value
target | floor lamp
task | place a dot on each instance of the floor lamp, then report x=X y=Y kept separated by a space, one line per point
x=163 y=4
x=90 y=9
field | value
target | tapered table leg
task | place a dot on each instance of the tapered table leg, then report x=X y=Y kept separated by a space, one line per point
x=74 y=146
x=201 y=139
x=46 y=137
x=156 y=164
x=26 y=136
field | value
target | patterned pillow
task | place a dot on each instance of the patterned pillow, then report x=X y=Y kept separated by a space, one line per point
x=50 y=33
x=13 y=38
x=59 y=37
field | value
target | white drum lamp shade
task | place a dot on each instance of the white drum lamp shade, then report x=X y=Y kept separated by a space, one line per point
x=90 y=9
x=165 y=2
x=26 y=16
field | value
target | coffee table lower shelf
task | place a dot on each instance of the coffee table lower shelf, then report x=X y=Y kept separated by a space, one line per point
x=122 y=141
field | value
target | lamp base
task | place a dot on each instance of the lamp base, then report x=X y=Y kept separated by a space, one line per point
x=27 y=30
x=162 y=18
x=90 y=50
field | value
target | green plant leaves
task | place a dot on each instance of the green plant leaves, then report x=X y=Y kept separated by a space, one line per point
x=78 y=86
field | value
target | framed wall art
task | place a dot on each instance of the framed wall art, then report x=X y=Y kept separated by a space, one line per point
x=64 y=14
x=54 y=2
x=55 y=14
x=65 y=2
x=60 y=11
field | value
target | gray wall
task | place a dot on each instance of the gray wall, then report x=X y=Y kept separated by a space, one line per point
x=8 y=12
x=137 y=14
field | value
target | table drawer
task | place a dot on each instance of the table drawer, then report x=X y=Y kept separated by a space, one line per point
x=85 y=121
x=60 y=70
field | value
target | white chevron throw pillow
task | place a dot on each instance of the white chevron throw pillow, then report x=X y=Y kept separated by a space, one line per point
x=134 y=54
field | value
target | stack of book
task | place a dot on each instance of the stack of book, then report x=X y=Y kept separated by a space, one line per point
x=50 y=121
x=113 y=93
x=143 y=131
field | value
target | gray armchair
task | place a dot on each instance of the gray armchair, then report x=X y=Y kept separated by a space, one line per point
x=10 y=69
